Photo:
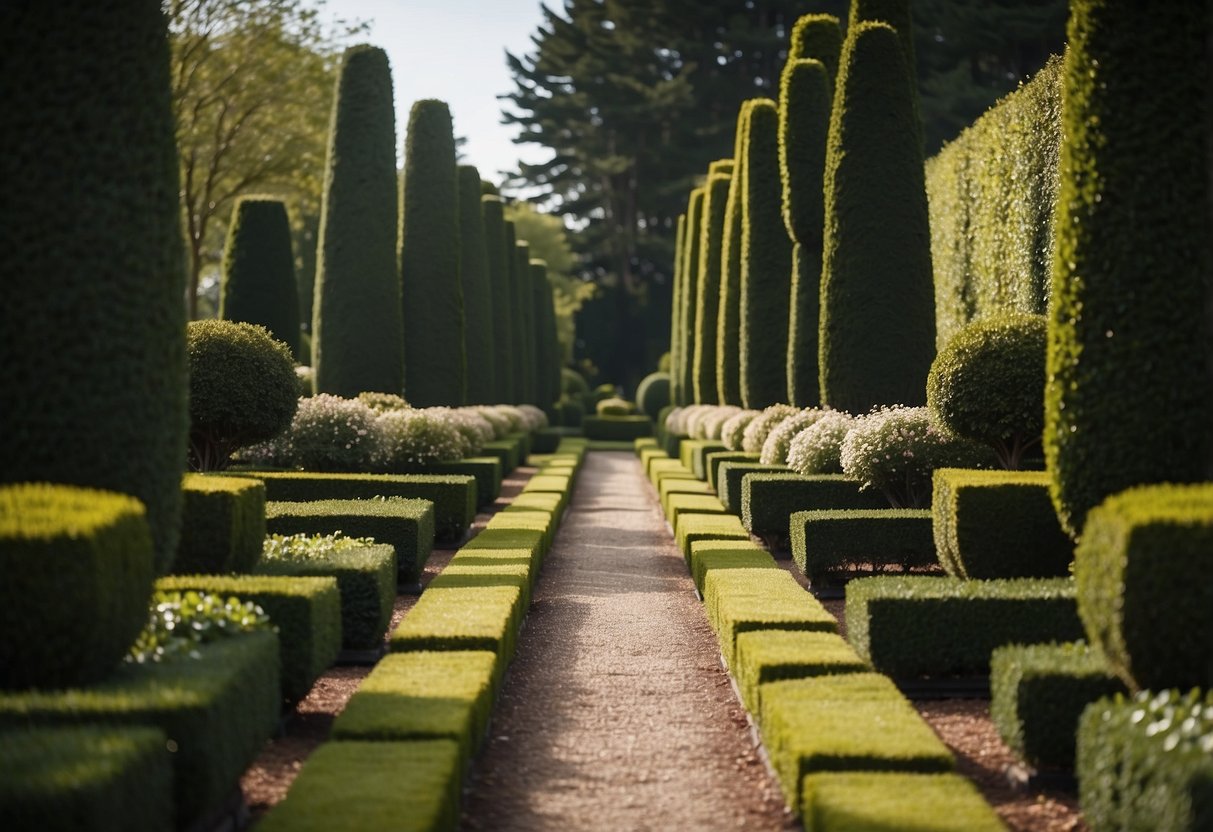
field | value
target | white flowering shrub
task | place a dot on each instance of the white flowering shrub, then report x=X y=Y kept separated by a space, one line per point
x=714 y=420
x=513 y=415
x=535 y=418
x=381 y=402
x=896 y=449
x=477 y=421
x=674 y=422
x=775 y=448
x=307 y=381
x=760 y=426
x=498 y=421
x=816 y=449
x=696 y=421
x=468 y=426
x=690 y=416
x=417 y=437
x=733 y=429
x=328 y=433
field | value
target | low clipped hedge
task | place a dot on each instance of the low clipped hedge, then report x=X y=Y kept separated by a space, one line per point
x=537 y=501
x=730 y=477
x=740 y=600
x=518 y=542
x=86 y=778
x=616 y=428
x=306 y=612
x=714 y=460
x=463 y=618
x=707 y=555
x=848 y=722
x=692 y=527
x=77 y=566
x=222 y=525
x=997 y=524
x=770 y=655
x=406 y=525
x=540 y=521
x=909 y=626
x=508 y=450
x=1139 y=593
x=1144 y=762
x=693 y=453
x=769 y=500
x=409 y=786
x=1038 y=693
x=678 y=504
x=217 y=709
x=845 y=802
x=670 y=486
x=454 y=496
x=366 y=579
x=827 y=543
x=659 y=467
x=486 y=470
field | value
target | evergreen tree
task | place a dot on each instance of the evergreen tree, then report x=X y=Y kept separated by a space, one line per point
x=816 y=36
x=728 y=326
x=434 y=358
x=687 y=296
x=258 y=283
x=477 y=291
x=707 y=301
x=499 y=281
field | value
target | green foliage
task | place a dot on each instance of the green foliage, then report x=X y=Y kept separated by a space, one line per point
x=1038 y=693
x=572 y=383
x=492 y=213
x=1144 y=763
x=688 y=294
x=616 y=406
x=927 y=626
x=877 y=334
x=830 y=542
x=242 y=390
x=544 y=364
x=383 y=402
x=838 y=802
x=742 y=600
x=992 y=195
x=1136 y=568
x=222 y=525
x=217 y=710
x=78 y=568
x=728 y=321
x=817 y=37
x=464 y=615
x=694 y=456
x=434 y=358
x=805 y=94
x=653 y=394
x=677 y=394
x=893 y=13
x=86 y=778
x=760 y=427
x=356 y=329
x=768 y=500
x=1129 y=394
x=478 y=311
x=707 y=555
x=987 y=384
x=327 y=433
x=803 y=384
x=818 y=448
x=714 y=459
x=520 y=280
x=693 y=527
x=258 y=284
x=486 y=470
x=411 y=786
x=766 y=264
x=707 y=295
x=179 y=623
x=770 y=655
x=403 y=523
x=616 y=428
x=416 y=437
x=731 y=475
x=91 y=252
x=997 y=524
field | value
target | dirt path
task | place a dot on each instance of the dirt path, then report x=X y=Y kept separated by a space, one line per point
x=616 y=713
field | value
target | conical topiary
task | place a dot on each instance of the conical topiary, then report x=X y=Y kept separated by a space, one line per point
x=817 y=36
x=877 y=337
x=477 y=291
x=491 y=208
x=728 y=325
x=689 y=294
x=357 y=333
x=434 y=360
x=258 y=275
x=707 y=301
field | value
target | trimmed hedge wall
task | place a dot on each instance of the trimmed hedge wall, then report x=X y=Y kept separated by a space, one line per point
x=694 y=527
x=888 y=800
x=78 y=577
x=715 y=459
x=486 y=470
x=728 y=322
x=741 y=600
x=731 y=475
x=693 y=453
x=770 y=655
x=924 y=626
x=769 y=500
x=222 y=525
x=707 y=555
x=676 y=310
x=877 y=335
x=257 y=283
x=616 y=428
x=828 y=542
x=491 y=208
x=1129 y=393
x=479 y=343
x=464 y=617
x=707 y=295
x=997 y=524
x=92 y=328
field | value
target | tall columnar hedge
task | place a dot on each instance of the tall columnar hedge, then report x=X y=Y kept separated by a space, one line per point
x=514 y=311
x=257 y=285
x=688 y=295
x=766 y=265
x=817 y=36
x=728 y=326
x=1128 y=399
x=434 y=360
x=92 y=327
x=897 y=14
x=545 y=354
x=477 y=291
x=499 y=284
x=524 y=332
x=676 y=310
x=992 y=196
x=877 y=336
x=707 y=295
x=357 y=334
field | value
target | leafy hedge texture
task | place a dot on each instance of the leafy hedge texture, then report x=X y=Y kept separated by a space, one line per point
x=432 y=297
x=258 y=273
x=688 y=294
x=677 y=396
x=499 y=284
x=543 y=332
x=524 y=366
x=707 y=296
x=828 y=542
x=653 y=394
x=92 y=326
x=478 y=311
x=78 y=576
x=817 y=36
x=357 y=330
x=877 y=335
x=1128 y=397
x=728 y=325
x=222 y=525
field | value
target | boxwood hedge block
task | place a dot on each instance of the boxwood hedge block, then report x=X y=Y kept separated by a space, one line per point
x=925 y=626
x=366 y=579
x=217 y=709
x=671 y=443
x=730 y=475
x=506 y=450
x=679 y=504
x=834 y=802
x=715 y=459
x=769 y=500
x=86 y=778
x=671 y=486
x=997 y=524
x=504 y=573
x=693 y=455
x=486 y=470
x=830 y=542
x=409 y=786
x=462 y=618
x=616 y=428
x=543 y=522
x=453 y=496
x=406 y=525
x=644 y=442
x=740 y=600
x=1134 y=568
x=548 y=501
x=77 y=566
x=770 y=655
x=423 y=695
x=511 y=540
x=707 y=555
x=222 y=525
x=849 y=722
x=1038 y=693
x=305 y=611
x=663 y=464
x=694 y=527
x=1144 y=763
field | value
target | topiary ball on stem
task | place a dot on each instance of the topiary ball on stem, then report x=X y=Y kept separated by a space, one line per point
x=243 y=389
x=988 y=384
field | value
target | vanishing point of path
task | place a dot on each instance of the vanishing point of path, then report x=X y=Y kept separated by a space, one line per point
x=616 y=713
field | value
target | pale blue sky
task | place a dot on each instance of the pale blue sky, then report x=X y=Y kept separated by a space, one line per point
x=454 y=50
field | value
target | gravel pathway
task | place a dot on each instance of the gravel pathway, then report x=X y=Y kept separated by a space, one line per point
x=616 y=713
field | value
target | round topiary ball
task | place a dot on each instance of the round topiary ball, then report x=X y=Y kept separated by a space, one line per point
x=243 y=389
x=653 y=393
x=988 y=384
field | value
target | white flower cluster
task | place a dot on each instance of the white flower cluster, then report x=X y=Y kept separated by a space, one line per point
x=417 y=436
x=710 y=423
x=328 y=433
x=775 y=448
x=534 y=417
x=473 y=429
x=816 y=449
x=733 y=429
x=756 y=431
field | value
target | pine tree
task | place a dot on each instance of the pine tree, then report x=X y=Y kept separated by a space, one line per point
x=477 y=291
x=258 y=278
x=499 y=280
